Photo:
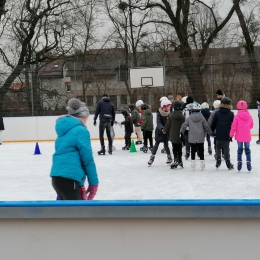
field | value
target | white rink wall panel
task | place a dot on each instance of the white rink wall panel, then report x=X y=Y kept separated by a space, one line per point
x=197 y=230
x=42 y=128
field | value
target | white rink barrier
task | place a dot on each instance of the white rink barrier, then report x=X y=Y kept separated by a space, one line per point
x=171 y=229
x=42 y=128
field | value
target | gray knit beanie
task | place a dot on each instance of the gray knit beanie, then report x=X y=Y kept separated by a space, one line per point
x=77 y=108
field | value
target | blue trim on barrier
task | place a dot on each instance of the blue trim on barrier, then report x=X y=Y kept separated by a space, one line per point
x=130 y=203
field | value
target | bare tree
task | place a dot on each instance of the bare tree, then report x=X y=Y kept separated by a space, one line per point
x=250 y=25
x=87 y=25
x=177 y=14
x=129 y=31
x=38 y=30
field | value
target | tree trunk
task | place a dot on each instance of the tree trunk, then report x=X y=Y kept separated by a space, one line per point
x=195 y=78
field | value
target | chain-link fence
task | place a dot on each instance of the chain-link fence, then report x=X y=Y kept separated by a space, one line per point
x=45 y=90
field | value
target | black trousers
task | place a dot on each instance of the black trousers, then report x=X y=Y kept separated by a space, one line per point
x=148 y=135
x=105 y=124
x=223 y=144
x=186 y=138
x=197 y=147
x=66 y=189
x=177 y=151
x=128 y=139
x=166 y=147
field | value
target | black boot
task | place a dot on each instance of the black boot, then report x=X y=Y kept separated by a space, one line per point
x=175 y=164
x=102 y=151
x=110 y=149
x=180 y=162
x=144 y=149
x=218 y=162
x=229 y=165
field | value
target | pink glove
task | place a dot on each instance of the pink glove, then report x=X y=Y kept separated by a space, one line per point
x=91 y=191
x=83 y=193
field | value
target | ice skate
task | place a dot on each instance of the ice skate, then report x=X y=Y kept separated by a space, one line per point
x=125 y=147
x=230 y=166
x=202 y=164
x=163 y=150
x=193 y=164
x=102 y=151
x=110 y=150
x=180 y=163
x=218 y=162
x=187 y=155
x=175 y=164
x=209 y=150
x=258 y=141
x=249 y=166
x=144 y=149
x=239 y=166
x=138 y=142
x=169 y=159
x=113 y=148
x=151 y=159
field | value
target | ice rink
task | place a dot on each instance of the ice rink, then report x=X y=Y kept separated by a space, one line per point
x=126 y=176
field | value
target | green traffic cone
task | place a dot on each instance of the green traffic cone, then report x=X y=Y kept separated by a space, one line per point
x=132 y=148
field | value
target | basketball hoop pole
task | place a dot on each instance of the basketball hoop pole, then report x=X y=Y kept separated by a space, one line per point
x=149 y=95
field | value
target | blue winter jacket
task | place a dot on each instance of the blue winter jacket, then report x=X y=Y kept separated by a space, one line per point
x=73 y=158
x=206 y=113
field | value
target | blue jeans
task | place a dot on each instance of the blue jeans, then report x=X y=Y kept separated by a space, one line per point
x=240 y=151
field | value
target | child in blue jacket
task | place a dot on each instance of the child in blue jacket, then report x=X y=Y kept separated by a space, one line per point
x=73 y=160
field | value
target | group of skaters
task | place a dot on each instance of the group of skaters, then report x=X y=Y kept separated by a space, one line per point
x=186 y=123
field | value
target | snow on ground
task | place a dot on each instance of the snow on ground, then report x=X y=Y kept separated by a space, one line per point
x=126 y=176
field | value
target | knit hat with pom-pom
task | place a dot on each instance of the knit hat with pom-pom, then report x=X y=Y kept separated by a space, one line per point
x=77 y=108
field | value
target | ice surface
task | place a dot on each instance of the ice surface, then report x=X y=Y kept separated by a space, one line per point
x=126 y=176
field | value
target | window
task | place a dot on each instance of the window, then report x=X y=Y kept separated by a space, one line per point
x=89 y=100
x=123 y=99
x=123 y=73
x=68 y=86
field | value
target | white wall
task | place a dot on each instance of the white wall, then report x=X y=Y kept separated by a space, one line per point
x=43 y=128
x=128 y=239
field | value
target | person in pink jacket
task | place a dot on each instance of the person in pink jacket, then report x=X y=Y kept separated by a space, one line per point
x=241 y=126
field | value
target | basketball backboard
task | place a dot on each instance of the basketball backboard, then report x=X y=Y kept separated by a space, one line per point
x=146 y=77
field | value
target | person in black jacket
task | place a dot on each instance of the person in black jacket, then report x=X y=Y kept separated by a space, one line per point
x=128 y=123
x=220 y=94
x=1 y=128
x=106 y=112
x=160 y=137
x=206 y=113
x=222 y=122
